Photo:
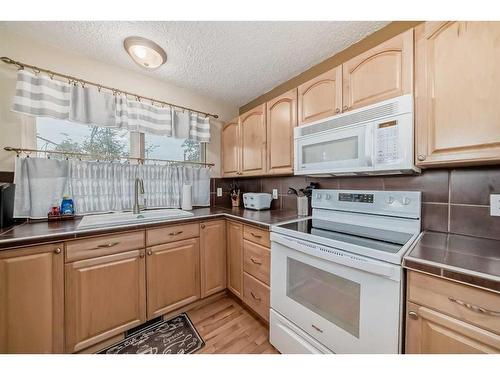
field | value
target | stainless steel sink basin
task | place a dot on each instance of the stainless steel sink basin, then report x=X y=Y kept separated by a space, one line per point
x=113 y=219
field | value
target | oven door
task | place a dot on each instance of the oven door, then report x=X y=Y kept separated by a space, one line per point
x=335 y=151
x=351 y=305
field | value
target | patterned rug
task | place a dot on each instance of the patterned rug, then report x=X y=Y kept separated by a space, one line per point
x=175 y=336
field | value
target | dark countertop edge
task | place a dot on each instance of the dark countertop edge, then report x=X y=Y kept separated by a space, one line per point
x=12 y=243
x=455 y=274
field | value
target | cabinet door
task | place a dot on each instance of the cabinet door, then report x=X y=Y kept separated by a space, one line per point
x=253 y=141
x=231 y=148
x=173 y=276
x=281 y=120
x=430 y=332
x=213 y=257
x=383 y=72
x=104 y=297
x=320 y=97
x=457 y=93
x=31 y=300
x=235 y=258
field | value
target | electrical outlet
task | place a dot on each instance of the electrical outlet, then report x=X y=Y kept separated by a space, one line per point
x=219 y=192
x=275 y=193
x=495 y=204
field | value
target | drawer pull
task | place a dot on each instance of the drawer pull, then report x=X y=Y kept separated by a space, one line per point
x=58 y=250
x=141 y=255
x=255 y=297
x=256 y=261
x=475 y=308
x=106 y=245
x=316 y=328
x=413 y=315
x=255 y=235
x=175 y=233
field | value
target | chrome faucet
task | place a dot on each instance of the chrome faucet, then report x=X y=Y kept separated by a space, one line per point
x=138 y=189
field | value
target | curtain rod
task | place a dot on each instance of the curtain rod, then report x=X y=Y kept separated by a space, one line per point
x=27 y=151
x=51 y=74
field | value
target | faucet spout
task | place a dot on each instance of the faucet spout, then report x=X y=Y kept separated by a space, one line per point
x=138 y=189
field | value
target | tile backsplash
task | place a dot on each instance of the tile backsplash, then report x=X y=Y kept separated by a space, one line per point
x=454 y=200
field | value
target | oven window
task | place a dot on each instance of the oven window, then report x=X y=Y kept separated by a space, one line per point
x=334 y=150
x=330 y=296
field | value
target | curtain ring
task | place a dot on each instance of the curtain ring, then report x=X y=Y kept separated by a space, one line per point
x=83 y=84
x=138 y=98
x=99 y=87
x=36 y=71
x=51 y=76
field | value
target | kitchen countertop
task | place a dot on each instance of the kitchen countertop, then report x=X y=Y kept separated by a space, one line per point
x=33 y=232
x=466 y=259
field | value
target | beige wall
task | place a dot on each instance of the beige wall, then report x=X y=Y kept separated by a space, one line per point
x=17 y=130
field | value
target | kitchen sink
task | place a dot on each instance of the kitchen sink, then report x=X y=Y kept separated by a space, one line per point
x=118 y=218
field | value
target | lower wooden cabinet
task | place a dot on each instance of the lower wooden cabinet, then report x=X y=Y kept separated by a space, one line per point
x=31 y=300
x=212 y=257
x=235 y=258
x=431 y=332
x=173 y=277
x=105 y=296
x=256 y=295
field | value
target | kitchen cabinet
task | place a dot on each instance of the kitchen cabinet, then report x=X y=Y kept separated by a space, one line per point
x=213 y=257
x=457 y=91
x=32 y=300
x=231 y=148
x=256 y=295
x=253 y=141
x=320 y=97
x=104 y=296
x=173 y=276
x=281 y=119
x=443 y=316
x=235 y=257
x=381 y=73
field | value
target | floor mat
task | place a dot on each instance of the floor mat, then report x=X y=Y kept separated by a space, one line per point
x=174 y=336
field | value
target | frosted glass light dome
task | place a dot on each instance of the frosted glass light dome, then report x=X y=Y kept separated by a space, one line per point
x=145 y=52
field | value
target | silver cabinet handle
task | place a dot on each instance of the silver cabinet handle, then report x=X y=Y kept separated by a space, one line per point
x=57 y=251
x=475 y=308
x=150 y=252
x=255 y=261
x=202 y=226
x=106 y=245
x=337 y=110
x=317 y=328
x=141 y=255
x=175 y=233
x=421 y=157
x=255 y=235
x=413 y=315
x=255 y=297
x=345 y=108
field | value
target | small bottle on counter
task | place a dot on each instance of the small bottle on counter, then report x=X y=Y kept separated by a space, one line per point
x=67 y=207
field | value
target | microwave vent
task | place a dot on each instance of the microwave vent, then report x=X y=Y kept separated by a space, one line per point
x=389 y=109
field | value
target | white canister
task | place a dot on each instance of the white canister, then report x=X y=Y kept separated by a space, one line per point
x=187 y=197
x=302 y=206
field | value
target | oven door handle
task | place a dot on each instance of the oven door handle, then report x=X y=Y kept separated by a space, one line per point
x=369 y=145
x=340 y=257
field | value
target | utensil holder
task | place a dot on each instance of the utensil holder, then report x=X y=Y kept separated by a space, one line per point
x=302 y=206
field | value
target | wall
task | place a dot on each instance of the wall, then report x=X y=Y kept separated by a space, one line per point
x=454 y=200
x=17 y=130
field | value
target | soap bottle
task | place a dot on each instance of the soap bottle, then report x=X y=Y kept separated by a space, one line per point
x=67 y=207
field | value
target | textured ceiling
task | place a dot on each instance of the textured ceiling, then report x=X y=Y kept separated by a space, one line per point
x=231 y=61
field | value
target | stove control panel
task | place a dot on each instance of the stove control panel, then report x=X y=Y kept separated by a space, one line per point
x=392 y=203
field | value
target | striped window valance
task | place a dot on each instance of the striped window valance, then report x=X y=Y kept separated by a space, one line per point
x=42 y=96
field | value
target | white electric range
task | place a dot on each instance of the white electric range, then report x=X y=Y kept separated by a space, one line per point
x=336 y=277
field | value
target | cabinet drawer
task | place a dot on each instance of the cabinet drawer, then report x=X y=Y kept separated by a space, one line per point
x=469 y=304
x=103 y=245
x=256 y=260
x=256 y=295
x=260 y=236
x=172 y=233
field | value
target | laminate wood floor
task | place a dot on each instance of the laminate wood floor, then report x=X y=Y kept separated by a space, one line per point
x=228 y=328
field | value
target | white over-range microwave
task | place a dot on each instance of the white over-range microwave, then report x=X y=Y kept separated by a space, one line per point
x=376 y=139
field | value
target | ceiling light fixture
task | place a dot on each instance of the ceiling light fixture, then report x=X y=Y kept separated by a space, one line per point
x=145 y=52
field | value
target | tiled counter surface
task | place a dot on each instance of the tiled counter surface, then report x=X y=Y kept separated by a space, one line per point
x=42 y=231
x=465 y=259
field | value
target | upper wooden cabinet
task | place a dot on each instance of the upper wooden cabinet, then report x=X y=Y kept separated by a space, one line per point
x=281 y=119
x=31 y=300
x=105 y=296
x=383 y=72
x=173 y=277
x=457 y=93
x=213 y=257
x=230 y=145
x=253 y=141
x=320 y=97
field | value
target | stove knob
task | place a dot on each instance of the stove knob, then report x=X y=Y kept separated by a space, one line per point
x=406 y=201
x=318 y=196
x=390 y=199
x=328 y=197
